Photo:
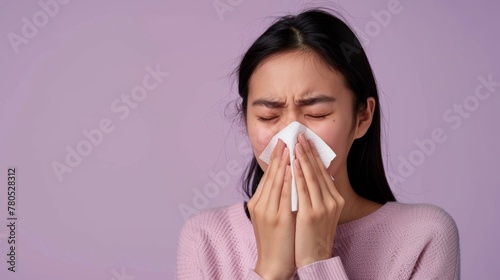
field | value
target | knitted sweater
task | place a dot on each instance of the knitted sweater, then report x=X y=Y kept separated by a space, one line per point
x=397 y=241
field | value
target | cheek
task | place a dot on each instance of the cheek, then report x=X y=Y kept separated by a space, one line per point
x=260 y=138
x=336 y=135
x=332 y=134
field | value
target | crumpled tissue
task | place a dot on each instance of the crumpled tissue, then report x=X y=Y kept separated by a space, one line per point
x=289 y=135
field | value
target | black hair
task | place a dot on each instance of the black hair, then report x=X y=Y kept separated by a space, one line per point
x=336 y=44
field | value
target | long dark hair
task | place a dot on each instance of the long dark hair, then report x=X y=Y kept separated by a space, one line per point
x=323 y=33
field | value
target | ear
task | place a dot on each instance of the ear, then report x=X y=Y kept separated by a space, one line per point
x=365 y=118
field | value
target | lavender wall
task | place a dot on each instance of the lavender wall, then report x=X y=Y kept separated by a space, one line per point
x=149 y=82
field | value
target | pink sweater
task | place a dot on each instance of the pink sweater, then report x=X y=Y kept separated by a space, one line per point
x=398 y=241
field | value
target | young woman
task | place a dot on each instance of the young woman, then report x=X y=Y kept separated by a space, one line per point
x=311 y=68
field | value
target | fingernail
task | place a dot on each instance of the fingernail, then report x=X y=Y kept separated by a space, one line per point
x=299 y=148
x=310 y=142
x=297 y=164
x=285 y=153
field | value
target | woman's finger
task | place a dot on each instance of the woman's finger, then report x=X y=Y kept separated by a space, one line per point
x=313 y=177
x=324 y=172
x=273 y=202
x=265 y=177
x=303 y=196
x=286 y=192
x=329 y=189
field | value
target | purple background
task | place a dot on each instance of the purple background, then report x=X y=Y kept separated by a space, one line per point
x=117 y=214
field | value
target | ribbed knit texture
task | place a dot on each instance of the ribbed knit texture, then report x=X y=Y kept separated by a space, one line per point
x=398 y=241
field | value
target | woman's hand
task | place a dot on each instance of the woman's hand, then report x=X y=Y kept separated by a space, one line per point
x=319 y=206
x=272 y=219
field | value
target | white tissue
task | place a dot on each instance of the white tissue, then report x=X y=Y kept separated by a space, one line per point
x=289 y=135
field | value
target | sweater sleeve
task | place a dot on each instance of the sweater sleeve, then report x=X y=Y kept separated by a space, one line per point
x=327 y=269
x=192 y=256
x=188 y=263
x=440 y=258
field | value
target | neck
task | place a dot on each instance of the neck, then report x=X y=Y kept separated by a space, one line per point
x=355 y=206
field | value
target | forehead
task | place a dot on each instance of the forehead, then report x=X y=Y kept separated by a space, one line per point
x=294 y=74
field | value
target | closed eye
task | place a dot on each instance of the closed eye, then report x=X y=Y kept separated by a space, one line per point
x=318 y=117
x=266 y=119
x=272 y=118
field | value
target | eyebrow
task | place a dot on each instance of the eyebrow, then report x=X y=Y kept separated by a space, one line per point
x=309 y=101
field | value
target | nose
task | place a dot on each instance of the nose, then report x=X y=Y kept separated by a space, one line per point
x=290 y=119
x=284 y=123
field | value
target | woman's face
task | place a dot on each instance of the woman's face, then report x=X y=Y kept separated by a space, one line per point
x=298 y=86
